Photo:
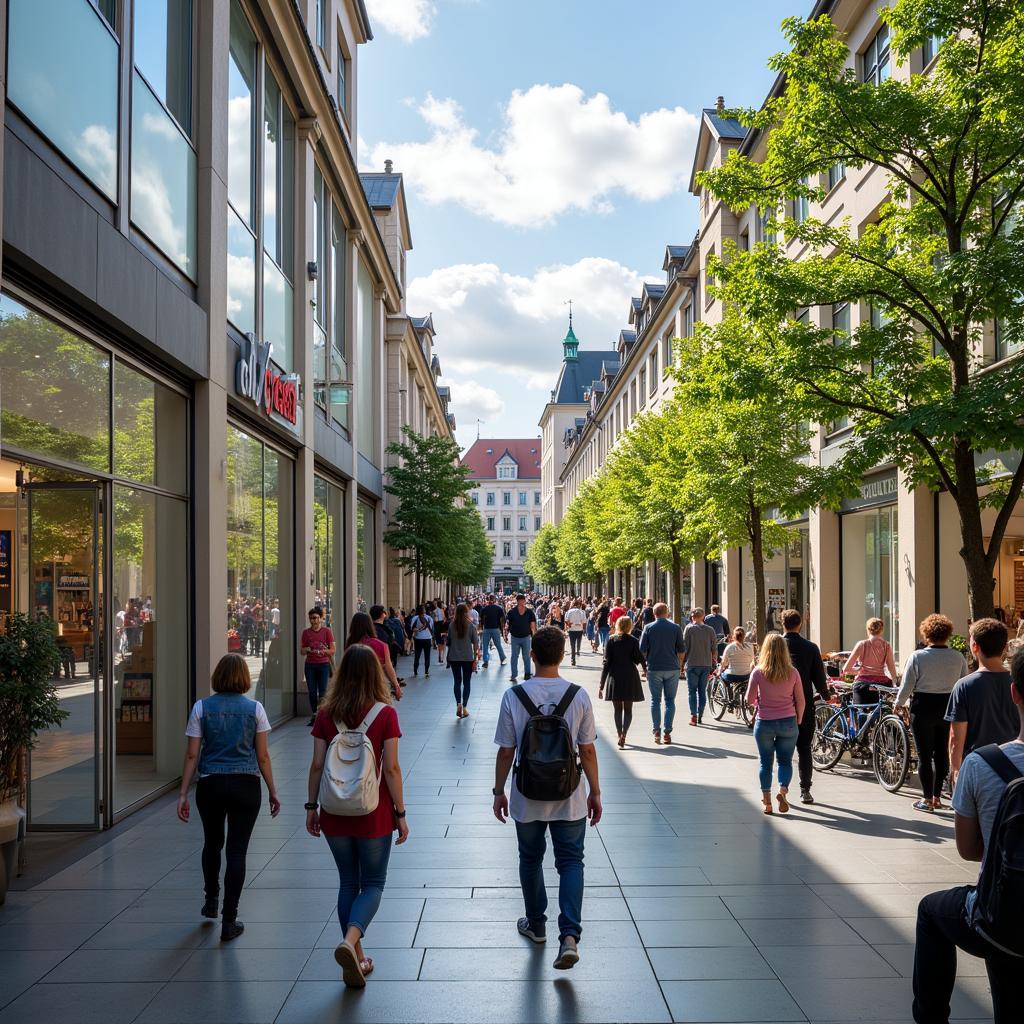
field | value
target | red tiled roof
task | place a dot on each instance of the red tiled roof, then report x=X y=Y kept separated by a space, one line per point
x=483 y=455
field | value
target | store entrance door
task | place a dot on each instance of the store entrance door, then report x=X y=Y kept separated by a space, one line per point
x=63 y=584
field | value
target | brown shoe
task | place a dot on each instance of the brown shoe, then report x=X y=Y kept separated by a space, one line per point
x=622 y=741
x=693 y=719
x=657 y=738
x=668 y=737
x=783 y=803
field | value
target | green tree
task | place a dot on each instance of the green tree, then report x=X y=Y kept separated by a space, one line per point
x=945 y=254
x=542 y=557
x=574 y=550
x=430 y=532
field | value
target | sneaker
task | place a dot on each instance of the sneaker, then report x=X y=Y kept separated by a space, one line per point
x=805 y=796
x=700 y=718
x=231 y=930
x=513 y=679
x=538 y=934
x=210 y=908
x=527 y=677
x=503 y=663
x=568 y=955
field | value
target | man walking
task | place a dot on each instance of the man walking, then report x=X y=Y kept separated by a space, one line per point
x=720 y=624
x=521 y=624
x=575 y=624
x=700 y=655
x=567 y=818
x=806 y=658
x=492 y=622
x=662 y=645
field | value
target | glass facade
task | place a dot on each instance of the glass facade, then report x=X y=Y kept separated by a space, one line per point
x=870 y=564
x=366 y=556
x=366 y=387
x=329 y=552
x=260 y=601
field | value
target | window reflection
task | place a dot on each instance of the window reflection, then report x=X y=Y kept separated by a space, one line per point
x=277 y=313
x=366 y=556
x=328 y=549
x=241 y=115
x=163 y=53
x=366 y=391
x=241 y=274
x=62 y=71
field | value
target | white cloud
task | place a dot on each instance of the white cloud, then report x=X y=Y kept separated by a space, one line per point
x=558 y=150
x=472 y=400
x=408 y=19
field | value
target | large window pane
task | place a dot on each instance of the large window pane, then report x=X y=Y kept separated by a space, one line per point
x=329 y=550
x=150 y=431
x=62 y=74
x=278 y=530
x=278 y=177
x=151 y=627
x=366 y=556
x=319 y=249
x=870 y=567
x=163 y=53
x=365 y=394
x=56 y=389
x=241 y=116
x=338 y=269
x=319 y=366
x=277 y=313
x=241 y=275
x=163 y=179
x=340 y=397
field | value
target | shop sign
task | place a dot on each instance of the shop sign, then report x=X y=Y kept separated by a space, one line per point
x=73 y=581
x=5 y=571
x=257 y=380
x=881 y=489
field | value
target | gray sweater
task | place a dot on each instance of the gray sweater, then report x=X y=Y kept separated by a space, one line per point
x=931 y=670
x=464 y=648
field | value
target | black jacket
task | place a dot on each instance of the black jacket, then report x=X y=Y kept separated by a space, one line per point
x=806 y=658
x=621 y=657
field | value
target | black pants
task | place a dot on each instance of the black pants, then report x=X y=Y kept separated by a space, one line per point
x=931 y=734
x=237 y=799
x=623 y=710
x=421 y=647
x=575 y=639
x=463 y=673
x=942 y=928
x=804 y=742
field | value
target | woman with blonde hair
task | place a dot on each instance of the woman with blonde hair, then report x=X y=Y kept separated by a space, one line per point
x=358 y=699
x=872 y=658
x=775 y=690
x=621 y=657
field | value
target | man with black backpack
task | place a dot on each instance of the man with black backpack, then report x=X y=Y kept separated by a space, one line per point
x=985 y=921
x=550 y=723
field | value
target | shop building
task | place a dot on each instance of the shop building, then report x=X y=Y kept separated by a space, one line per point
x=192 y=362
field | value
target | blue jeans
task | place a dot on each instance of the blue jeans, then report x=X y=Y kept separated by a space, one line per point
x=362 y=873
x=567 y=839
x=463 y=673
x=521 y=645
x=776 y=738
x=489 y=636
x=603 y=632
x=317 y=678
x=663 y=682
x=697 y=684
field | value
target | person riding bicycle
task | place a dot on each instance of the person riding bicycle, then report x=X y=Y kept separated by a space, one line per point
x=737 y=659
x=720 y=624
x=872 y=658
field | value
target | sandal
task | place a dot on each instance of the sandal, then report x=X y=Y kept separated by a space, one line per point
x=767 y=806
x=783 y=803
x=351 y=972
x=924 y=805
x=366 y=966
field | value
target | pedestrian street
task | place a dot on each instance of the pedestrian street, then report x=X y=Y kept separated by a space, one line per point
x=698 y=907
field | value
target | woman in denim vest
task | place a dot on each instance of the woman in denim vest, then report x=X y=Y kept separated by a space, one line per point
x=227 y=736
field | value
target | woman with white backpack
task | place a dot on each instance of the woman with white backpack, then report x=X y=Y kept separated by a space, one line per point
x=355 y=796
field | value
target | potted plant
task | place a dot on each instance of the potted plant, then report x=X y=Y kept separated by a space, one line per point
x=29 y=660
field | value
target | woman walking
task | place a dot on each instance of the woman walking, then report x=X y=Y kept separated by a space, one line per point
x=317 y=646
x=227 y=740
x=621 y=657
x=361 y=845
x=929 y=676
x=421 y=625
x=463 y=653
x=777 y=693
x=441 y=625
x=737 y=659
x=575 y=620
x=872 y=658
x=362 y=631
x=556 y=617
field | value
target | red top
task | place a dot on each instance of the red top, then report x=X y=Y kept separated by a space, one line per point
x=615 y=614
x=382 y=821
x=379 y=648
x=314 y=639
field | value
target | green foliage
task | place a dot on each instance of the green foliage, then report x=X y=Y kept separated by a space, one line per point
x=29 y=660
x=945 y=253
x=574 y=550
x=542 y=557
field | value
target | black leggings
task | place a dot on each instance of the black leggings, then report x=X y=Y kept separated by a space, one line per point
x=575 y=639
x=236 y=798
x=463 y=673
x=931 y=734
x=623 y=715
x=421 y=647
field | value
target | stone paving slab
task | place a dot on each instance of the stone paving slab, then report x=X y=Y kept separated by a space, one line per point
x=698 y=908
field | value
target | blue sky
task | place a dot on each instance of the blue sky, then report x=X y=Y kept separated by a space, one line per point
x=570 y=190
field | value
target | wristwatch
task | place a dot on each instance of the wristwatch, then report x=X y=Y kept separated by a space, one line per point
x=311 y=807
x=400 y=814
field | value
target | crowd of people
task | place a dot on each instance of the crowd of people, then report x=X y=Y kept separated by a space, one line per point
x=967 y=726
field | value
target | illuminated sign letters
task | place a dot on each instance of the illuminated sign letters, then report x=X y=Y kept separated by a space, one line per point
x=257 y=380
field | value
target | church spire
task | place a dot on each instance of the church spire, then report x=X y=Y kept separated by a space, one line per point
x=570 y=344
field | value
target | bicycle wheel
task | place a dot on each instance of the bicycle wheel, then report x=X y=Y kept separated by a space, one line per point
x=829 y=739
x=718 y=699
x=747 y=713
x=890 y=753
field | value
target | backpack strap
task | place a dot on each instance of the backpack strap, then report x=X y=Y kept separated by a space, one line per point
x=994 y=756
x=567 y=698
x=371 y=717
x=531 y=709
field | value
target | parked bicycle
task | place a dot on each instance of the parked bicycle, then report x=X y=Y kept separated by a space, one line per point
x=724 y=695
x=871 y=732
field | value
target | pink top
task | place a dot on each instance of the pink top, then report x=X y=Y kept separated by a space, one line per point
x=776 y=700
x=874 y=654
x=318 y=643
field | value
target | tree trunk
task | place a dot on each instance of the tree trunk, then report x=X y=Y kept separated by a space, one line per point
x=977 y=561
x=677 y=585
x=757 y=556
x=419 y=579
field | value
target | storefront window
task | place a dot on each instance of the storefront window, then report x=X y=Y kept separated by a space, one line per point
x=56 y=396
x=328 y=551
x=366 y=556
x=260 y=528
x=62 y=69
x=870 y=566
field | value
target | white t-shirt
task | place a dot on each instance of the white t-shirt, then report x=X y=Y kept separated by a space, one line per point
x=421 y=629
x=512 y=718
x=738 y=659
x=474 y=616
x=576 y=619
x=275 y=616
x=195 y=725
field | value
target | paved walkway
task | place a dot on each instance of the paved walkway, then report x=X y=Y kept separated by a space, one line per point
x=698 y=908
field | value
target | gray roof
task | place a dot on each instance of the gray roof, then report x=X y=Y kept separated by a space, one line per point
x=627 y=337
x=610 y=367
x=724 y=127
x=578 y=375
x=654 y=291
x=381 y=189
x=677 y=252
x=423 y=323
